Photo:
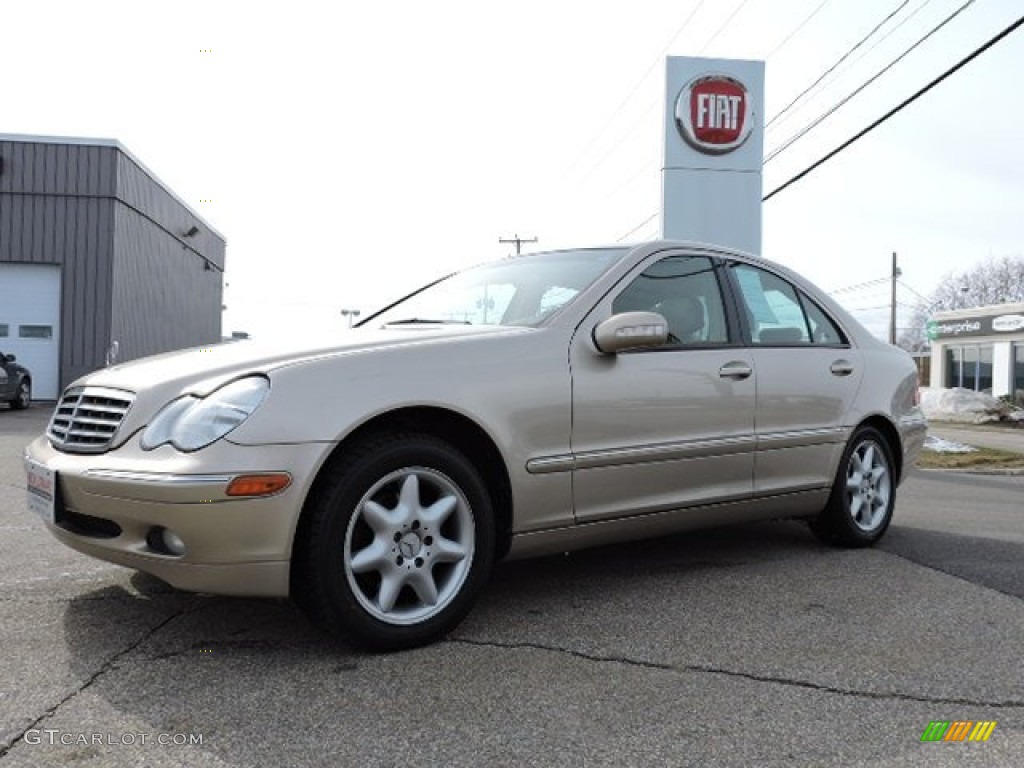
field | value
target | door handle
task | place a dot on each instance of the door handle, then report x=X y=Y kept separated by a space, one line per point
x=841 y=368
x=735 y=370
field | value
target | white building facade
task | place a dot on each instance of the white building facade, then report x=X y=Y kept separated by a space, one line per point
x=981 y=348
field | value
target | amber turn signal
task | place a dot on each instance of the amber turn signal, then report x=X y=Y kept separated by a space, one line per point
x=258 y=485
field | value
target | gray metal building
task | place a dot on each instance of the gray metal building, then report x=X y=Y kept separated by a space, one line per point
x=97 y=255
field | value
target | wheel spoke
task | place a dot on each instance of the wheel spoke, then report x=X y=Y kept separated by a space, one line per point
x=439 y=511
x=448 y=551
x=856 y=503
x=856 y=465
x=877 y=475
x=422 y=583
x=883 y=495
x=380 y=519
x=868 y=460
x=371 y=558
x=391 y=584
x=409 y=497
x=853 y=481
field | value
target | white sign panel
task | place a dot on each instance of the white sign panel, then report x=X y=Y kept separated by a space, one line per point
x=714 y=148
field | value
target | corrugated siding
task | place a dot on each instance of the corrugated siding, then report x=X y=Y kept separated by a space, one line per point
x=163 y=297
x=138 y=190
x=56 y=207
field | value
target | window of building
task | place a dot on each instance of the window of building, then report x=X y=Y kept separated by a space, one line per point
x=985 y=369
x=35 y=331
x=4 y=330
x=969 y=369
x=969 y=366
x=1018 y=370
x=954 y=365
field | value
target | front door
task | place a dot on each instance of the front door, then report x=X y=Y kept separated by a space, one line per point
x=670 y=427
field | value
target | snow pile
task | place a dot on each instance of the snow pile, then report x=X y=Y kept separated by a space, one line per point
x=965 y=405
x=940 y=445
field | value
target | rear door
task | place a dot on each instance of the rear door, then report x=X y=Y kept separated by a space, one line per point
x=807 y=377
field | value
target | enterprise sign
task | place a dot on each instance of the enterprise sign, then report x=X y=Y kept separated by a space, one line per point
x=966 y=327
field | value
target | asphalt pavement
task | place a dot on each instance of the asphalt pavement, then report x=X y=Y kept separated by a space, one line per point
x=744 y=646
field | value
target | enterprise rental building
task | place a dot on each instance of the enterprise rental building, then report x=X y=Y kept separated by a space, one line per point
x=99 y=261
x=980 y=349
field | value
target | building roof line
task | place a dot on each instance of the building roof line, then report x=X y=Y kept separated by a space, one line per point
x=96 y=142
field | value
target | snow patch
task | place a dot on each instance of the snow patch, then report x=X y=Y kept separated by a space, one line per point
x=966 y=406
x=941 y=445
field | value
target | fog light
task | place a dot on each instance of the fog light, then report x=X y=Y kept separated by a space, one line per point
x=172 y=542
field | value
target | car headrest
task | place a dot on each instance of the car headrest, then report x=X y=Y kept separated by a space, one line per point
x=685 y=316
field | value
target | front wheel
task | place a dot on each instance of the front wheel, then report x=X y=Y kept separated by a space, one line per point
x=23 y=398
x=398 y=543
x=860 y=507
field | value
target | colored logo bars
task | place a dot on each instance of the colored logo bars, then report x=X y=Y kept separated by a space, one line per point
x=958 y=730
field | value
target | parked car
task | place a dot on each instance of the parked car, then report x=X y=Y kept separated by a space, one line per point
x=15 y=383
x=535 y=405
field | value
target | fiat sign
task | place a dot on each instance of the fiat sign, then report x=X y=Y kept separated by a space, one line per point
x=713 y=114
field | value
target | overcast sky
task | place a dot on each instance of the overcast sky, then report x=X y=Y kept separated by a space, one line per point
x=351 y=151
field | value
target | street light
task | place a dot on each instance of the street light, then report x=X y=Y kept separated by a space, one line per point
x=351 y=314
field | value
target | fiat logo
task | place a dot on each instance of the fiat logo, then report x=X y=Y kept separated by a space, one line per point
x=713 y=114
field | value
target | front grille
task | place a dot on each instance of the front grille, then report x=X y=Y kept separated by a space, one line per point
x=87 y=418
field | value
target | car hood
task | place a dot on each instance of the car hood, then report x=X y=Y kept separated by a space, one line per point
x=155 y=381
x=202 y=369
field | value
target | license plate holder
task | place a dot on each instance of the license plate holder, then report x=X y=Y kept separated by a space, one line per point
x=42 y=490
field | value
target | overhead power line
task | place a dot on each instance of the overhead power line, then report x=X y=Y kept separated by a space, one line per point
x=866 y=52
x=916 y=293
x=639 y=226
x=836 y=107
x=797 y=29
x=658 y=60
x=899 y=107
x=858 y=286
x=842 y=58
x=725 y=24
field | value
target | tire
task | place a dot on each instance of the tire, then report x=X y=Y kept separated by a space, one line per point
x=23 y=398
x=860 y=507
x=396 y=545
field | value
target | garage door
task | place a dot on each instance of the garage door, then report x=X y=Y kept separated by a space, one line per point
x=30 y=322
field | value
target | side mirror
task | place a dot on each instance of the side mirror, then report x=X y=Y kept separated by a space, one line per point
x=630 y=330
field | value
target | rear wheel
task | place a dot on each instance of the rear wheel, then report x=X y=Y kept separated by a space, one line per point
x=23 y=397
x=860 y=507
x=398 y=543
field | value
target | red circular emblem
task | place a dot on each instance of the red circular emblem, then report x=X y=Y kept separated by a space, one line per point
x=713 y=114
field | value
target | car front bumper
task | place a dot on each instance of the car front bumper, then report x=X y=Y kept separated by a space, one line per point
x=114 y=506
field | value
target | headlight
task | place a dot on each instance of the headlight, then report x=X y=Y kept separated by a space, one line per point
x=190 y=423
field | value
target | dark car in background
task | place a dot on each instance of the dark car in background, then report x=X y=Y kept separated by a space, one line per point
x=15 y=383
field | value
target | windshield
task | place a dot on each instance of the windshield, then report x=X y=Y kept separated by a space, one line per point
x=523 y=290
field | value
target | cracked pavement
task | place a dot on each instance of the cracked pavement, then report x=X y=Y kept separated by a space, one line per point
x=744 y=646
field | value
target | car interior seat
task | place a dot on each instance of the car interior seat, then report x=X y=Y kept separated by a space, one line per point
x=685 y=316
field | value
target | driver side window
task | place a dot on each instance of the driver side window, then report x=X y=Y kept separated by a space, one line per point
x=685 y=291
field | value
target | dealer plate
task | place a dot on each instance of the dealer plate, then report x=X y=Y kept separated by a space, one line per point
x=42 y=490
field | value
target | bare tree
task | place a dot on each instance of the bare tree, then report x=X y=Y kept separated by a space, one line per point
x=996 y=281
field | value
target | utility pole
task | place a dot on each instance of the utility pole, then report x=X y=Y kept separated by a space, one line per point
x=892 y=305
x=518 y=241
